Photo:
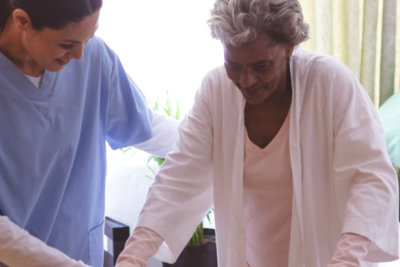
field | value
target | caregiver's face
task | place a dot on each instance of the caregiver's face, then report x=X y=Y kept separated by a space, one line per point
x=52 y=49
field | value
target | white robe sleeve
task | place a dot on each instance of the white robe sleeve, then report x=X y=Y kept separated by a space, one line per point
x=20 y=249
x=350 y=251
x=182 y=193
x=362 y=167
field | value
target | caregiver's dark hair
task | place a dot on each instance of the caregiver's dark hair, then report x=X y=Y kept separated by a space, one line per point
x=53 y=14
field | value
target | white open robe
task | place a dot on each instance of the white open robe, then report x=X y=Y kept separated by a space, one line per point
x=343 y=180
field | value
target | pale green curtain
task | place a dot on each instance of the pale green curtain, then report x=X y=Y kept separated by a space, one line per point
x=364 y=34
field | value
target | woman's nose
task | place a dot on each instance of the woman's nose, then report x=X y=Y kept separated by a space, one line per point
x=247 y=79
x=77 y=52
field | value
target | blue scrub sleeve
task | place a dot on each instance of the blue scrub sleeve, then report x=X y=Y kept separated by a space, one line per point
x=129 y=118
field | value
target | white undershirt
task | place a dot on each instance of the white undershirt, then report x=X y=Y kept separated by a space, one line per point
x=35 y=80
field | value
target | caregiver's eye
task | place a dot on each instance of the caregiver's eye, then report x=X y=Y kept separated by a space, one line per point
x=67 y=46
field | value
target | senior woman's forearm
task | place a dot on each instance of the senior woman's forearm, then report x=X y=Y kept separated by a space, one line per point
x=139 y=248
x=350 y=251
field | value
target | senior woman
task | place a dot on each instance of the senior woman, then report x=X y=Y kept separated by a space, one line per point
x=287 y=147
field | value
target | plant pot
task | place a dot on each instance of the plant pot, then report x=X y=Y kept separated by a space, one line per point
x=198 y=256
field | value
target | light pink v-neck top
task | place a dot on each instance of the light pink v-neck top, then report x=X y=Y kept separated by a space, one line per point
x=268 y=207
x=268 y=200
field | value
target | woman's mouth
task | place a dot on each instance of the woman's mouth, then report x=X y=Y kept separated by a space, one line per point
x=250 y=91
x=61 y=62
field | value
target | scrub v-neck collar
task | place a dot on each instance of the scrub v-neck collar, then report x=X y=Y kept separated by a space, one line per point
x=26 y=86
x=20 y=84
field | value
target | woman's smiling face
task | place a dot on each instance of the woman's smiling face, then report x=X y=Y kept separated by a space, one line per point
x=259 y=68
x=52 y=49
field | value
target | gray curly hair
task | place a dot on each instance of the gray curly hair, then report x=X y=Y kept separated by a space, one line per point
x=239 y=22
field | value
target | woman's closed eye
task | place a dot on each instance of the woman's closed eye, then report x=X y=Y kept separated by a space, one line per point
x=233 y=66
x=261 y=66
x=67 y=46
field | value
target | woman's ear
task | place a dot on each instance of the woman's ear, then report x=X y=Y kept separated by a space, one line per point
x=21 y=19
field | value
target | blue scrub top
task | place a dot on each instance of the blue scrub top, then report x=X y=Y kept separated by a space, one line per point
x=52 y=152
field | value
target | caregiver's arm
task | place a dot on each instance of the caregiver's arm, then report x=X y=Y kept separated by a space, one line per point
x=165 y=134
x=20 y=249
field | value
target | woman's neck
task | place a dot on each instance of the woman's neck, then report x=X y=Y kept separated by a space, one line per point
x=12 y=47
